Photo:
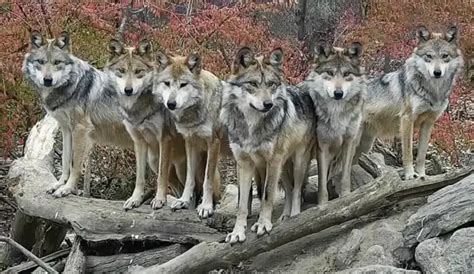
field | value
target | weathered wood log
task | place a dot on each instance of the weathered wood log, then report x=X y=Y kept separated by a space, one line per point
x=121 y=262
x=76 y=261
x=29 y=266
x=382 y=192
x=95 y=219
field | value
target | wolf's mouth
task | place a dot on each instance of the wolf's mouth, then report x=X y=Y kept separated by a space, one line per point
x=260 y=110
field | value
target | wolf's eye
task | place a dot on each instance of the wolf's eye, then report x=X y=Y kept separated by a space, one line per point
x=253 y=84
x=429 y=56
x=121 y=70
x=40 y=61
x=138 y=71
x=346 y=74
x=167 y=83
x=444 y=56
x=183 y=85
x=330 y=73
x=57 y=62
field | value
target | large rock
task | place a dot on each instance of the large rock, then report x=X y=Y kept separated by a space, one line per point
x=446 y=210
x=348 y=251
x=454 y=254
x=372 y=269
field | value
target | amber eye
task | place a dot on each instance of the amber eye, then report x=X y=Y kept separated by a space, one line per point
x=183 y=85
x=253 y=84
x=429 y=56
x=167 y=83
x=40 y=61
x=444 y=56
x=330 y=73
x=121 y=70
x=271 y=84
x=138 y=71
x=346 y=74
x=56 y=62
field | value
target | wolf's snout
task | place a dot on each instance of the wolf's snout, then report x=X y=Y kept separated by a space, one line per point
x=437 y=73
x=48 y=81
x=128 y=91
x=338 y=94
x=171 y=104
x=267 y=105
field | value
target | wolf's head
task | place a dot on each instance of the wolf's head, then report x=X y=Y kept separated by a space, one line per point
x=337 y=70
x=130 y=68
x=178 y=81
x=255 y=81
x=48 y=64
x=436 y=52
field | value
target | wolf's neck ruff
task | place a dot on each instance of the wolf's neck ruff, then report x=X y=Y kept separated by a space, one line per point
x=192 y=116
x=143 y=108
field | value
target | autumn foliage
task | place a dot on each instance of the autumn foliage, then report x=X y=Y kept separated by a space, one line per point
x=216 y=29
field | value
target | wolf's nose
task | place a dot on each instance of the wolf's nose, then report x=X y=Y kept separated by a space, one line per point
x=128 y=91
x=267 y=105
x=437 y=73
x=171 y=105
x=338 y=93
x=48 y=81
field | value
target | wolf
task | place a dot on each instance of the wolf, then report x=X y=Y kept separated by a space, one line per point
x=193 y=98
x=146 y=119
x=271 y=127
x=413 y=96
x=81 y=100
x=338 y=88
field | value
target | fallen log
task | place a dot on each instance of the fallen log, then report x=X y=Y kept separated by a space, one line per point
x=382 y=192
x=121 y=262
x=94 y=219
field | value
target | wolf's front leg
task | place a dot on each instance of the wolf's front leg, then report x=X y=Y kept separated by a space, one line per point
x=406 y=128
x=163 y=174
x=347 y=156
x=139 y=191
x=191 y=162
x=273 y=172
x=425 y=133
x=80 y=145
x=66 y=160
x=245 y=170
x=324 y=157
x=206 y=208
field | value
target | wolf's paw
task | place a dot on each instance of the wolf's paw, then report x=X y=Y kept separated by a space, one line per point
x=205 y=210
x=134 y=201
x=180 y=204
x=409 y=176
x=262 y=226
x=283 y=217
x=54 y=187
x=64 y=191
x=238 y=235
x=158 y=203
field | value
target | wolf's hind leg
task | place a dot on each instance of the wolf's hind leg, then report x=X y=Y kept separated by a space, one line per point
x=365 y=144
x=287 y=183
x=302 y=159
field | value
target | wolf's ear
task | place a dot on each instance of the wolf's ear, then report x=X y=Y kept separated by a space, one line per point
x=162 y=60
x=452 y=34
x=276 y=58
x=36 y=39
x=354 y=50
x=144 y=47
x=423 y=34
x=321 y=52
x=115 y=47
x=243 y=59
x=63 y=41
x=194 y=62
